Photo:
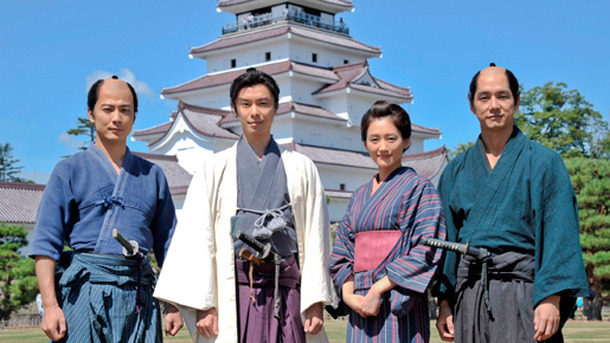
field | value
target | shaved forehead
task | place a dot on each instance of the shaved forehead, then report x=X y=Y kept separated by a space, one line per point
x=495 y=72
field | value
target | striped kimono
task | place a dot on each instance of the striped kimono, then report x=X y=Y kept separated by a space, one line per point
x=409 y=203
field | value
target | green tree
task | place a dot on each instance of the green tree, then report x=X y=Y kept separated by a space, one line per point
x=18 y=283
x=451 y=154
x=84 y=127
x=591 y=180
x=563 y=120
x=8 y=163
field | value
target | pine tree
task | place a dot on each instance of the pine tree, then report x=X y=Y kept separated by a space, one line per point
x=8 y=164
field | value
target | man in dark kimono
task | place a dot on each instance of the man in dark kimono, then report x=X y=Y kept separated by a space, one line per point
x=94 y=293
x=513 y=197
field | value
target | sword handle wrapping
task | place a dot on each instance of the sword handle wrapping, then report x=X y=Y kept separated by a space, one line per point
x=262 y=249
x=464 y=249
x=131 y=247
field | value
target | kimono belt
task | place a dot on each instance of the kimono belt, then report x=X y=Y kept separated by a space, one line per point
x=107 y=269
x=373 y=247
x=264 y=275
x=507 y=266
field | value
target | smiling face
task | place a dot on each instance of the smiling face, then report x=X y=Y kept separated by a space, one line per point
x=255 y=107
x=386 y=145
x=494 y=103
x=113 y=113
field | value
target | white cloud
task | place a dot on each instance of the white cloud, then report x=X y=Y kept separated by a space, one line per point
x=123 y=74
x=70 y=141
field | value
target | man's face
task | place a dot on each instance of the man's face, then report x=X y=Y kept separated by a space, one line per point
x=113 y=114
x=255 y=107
x=493 y=103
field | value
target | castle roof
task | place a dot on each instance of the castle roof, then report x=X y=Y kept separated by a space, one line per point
x=178 y=179
x=427 y=164
x=239 y=6
x=250 y=36
x=354 y=75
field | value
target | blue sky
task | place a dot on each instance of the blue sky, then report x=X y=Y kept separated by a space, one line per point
x=51 y=50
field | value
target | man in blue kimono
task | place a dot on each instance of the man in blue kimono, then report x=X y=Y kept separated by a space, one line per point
x=95 y=293
x=513 y=197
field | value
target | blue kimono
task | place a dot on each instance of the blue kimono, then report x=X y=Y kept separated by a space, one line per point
x=408 y=204
x=83 y=201
x=523 y=210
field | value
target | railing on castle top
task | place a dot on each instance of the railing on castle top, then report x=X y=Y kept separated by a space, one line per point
x=297 y=17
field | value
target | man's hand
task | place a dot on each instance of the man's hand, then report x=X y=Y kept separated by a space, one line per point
x=546 y=317
x=314 y=318
x=53 y=322
x=207 y=323
x=173 y=320
x=444 y=322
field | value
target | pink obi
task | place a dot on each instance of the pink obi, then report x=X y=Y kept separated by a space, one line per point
x=372 y=247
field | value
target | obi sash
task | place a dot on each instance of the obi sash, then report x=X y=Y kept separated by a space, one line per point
x=373 y=247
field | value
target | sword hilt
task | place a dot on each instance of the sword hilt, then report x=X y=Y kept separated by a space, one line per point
x=130 y=248
x=262 y=249
x=464 y=249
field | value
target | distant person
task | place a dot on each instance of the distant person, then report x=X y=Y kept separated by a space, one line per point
x=39 y=305
x=380 y=268
x=513 y=197
x=98 y=295
x=273 y=194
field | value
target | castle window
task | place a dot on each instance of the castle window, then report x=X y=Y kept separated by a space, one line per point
x=268 y=56
x=233 y=63
x=314 y=58
x=342 y=186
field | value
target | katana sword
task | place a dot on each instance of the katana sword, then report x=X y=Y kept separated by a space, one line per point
x=464 y=249
x=264 y=250
x=481 y=254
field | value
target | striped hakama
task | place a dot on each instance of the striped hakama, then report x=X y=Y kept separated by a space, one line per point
x=409 y=203
x=98 y=296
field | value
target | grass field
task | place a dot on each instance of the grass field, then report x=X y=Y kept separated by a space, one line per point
x=575 y=331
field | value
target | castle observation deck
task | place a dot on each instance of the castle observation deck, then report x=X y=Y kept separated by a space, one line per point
x=286 y=13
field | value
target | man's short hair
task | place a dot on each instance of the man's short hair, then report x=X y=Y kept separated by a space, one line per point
x=513 y=85
x=250 y=78
x=94 y=92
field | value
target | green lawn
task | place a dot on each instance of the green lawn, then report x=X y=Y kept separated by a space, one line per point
x=575 y=331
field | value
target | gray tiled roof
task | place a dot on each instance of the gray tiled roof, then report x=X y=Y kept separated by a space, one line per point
x=350 y=73
x=427 y=164
x=250 y=36
x=224 y=78
x=291 y=106
x=19 y=202
x=178 y=179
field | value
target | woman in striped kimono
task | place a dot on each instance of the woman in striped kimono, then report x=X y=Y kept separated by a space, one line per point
x=379 y=267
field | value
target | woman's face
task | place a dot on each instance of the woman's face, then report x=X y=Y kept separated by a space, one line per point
x=385 y=144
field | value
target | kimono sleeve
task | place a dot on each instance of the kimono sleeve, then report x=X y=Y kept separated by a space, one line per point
x=164 y=220
x=422 y=218
x=342 y=258
x=56 y=214
x=445 y=285
x=557 y=234
x=188 y=277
